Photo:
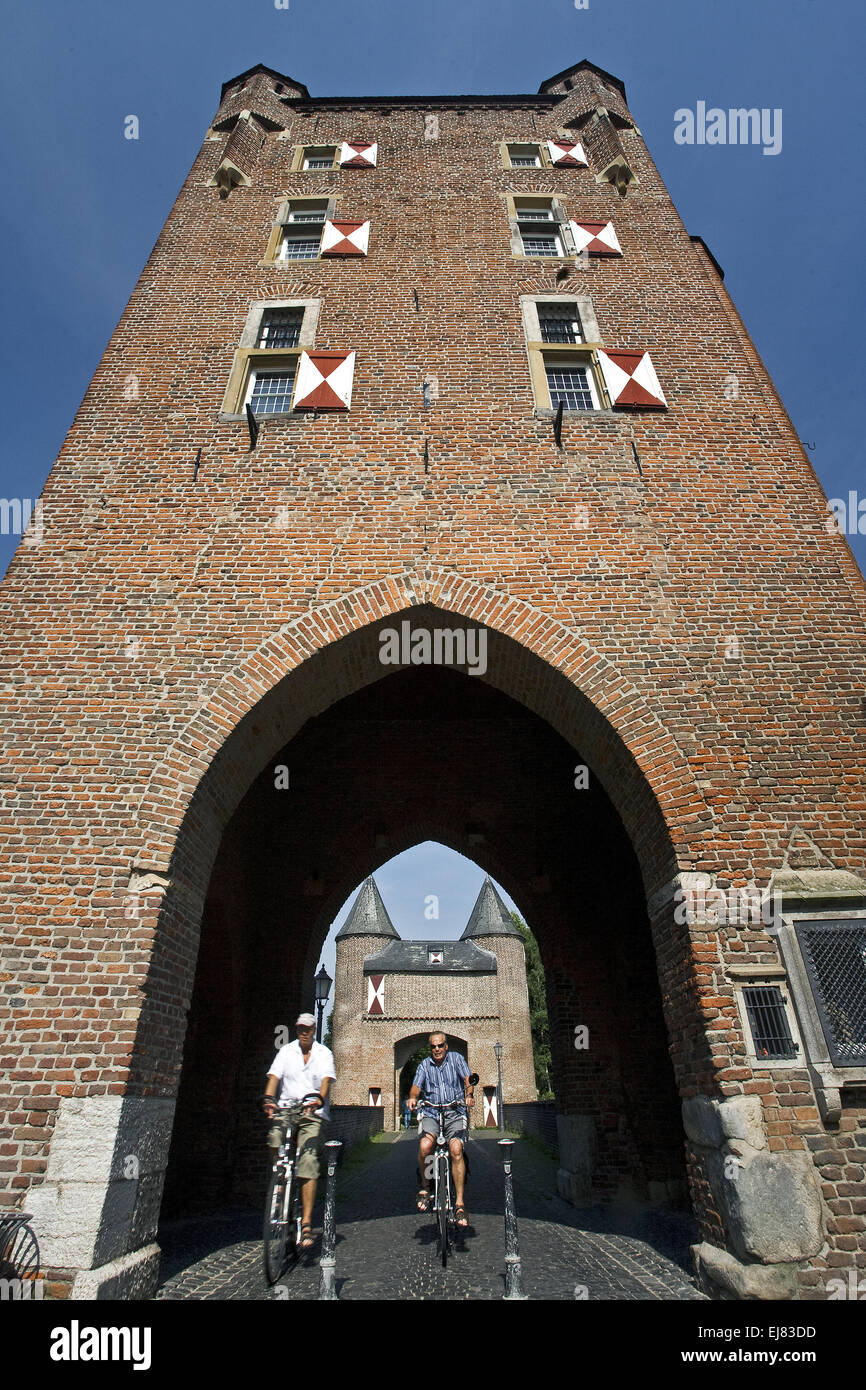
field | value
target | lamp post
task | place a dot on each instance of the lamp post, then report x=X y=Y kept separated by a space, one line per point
x=497 y=1048
x=323 y=989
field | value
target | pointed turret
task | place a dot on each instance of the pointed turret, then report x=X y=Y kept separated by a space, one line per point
x=368 y=915
x=490 y=916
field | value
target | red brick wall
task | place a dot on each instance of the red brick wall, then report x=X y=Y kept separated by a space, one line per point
x=713 y=761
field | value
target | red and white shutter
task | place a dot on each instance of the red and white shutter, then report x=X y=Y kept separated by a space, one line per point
x=631 y=380
x=596 y=238
x=565 y=156
x=324 y=381
x=490 y=1116
x=374 y=1096
x=357 y=154
x=345 y=238
x=375 y=994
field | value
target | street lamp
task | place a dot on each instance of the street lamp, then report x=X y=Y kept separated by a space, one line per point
x=323 y=989
x=497 y=1048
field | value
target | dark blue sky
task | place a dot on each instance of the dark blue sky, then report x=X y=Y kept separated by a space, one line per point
x=83 y=207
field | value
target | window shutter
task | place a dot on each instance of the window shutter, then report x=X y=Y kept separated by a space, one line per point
x=324 y=381
x=375 y=994
x=345 y=238
x=357 y=154
x=631 y=380
x=596 y=238
x=567 y=156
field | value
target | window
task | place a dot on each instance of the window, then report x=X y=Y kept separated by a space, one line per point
x=554 y=326
x=572 y=384
x=524 y=156
x=537 y=228
x=559 y=323
x=300 y=248
x=834 y=953
x=768 y=1022
x=270 y=392
x=266 y=362
x=319 y=157
x=280 y=328
x=306 y=210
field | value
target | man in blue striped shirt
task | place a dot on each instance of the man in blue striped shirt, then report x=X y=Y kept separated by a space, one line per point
x=442 y=1077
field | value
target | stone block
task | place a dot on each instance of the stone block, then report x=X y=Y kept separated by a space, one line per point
x=772 y=1208
x=710 y=1122
x=130 y=1277
x=719 y=1270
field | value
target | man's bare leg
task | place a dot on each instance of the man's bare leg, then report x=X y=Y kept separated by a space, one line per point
x=425 y=1148
x=458 y=1170
x=308 y=1197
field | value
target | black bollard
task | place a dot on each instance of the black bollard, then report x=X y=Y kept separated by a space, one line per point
x=328 y=1263
x=512 y=1245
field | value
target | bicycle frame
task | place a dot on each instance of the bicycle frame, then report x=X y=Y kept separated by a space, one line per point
x=442 y=1205
x=283 y=1217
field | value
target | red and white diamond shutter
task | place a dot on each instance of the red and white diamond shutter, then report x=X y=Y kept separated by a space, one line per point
x=595 y=238
x=375 y=994
x=631 y=380
x=324 y=381
x=374 y=1095
x=565 y=156
x=357 y=154
x=345 y=238
x=490 y=1117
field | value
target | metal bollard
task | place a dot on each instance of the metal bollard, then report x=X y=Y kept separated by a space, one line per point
x=512 y=1245
x=328 y=1263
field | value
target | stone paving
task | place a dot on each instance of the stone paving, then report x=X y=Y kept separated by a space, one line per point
x=387 y=1250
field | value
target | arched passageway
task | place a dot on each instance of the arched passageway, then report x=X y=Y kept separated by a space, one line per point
x=429 y=753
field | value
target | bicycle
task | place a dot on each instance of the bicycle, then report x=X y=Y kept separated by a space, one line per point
x=446 y=1218
x=283 y=1219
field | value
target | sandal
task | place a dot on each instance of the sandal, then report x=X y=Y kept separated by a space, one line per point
x=307 y=1241
x=460 y=1217
x=422 y=1201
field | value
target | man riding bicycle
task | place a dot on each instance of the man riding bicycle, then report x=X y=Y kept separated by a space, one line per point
x=300 y=1068
x=443 y=1077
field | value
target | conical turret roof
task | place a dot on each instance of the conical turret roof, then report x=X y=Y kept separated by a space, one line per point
x=490 y=916
x=368 y=915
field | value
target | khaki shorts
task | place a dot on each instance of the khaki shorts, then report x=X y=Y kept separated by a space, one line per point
x=311 y=1137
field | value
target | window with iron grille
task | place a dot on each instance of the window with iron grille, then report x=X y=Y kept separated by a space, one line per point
x=524 y=156
x=305 y=210
x=835 y=957
x=571 y=384
x=280 y=328
x=540 y=245
x=768 y=1021
x=559 y=323
x=270 y=393
x=319 y=156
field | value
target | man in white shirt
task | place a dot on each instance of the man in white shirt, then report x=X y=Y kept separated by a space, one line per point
x=299 y=1069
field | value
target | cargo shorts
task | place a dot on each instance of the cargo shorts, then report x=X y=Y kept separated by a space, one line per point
x=311 y=1137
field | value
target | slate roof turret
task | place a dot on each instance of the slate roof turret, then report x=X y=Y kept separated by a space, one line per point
x=490 y=916
x=368 y=915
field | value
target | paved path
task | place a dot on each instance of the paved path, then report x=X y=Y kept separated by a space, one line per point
x=386 y=1250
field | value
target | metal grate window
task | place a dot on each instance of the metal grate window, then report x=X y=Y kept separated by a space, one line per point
x=272 y=392
x=308 y=212
x=765 y=1006
x=559 y=323
x=281 y=328
x=571 y=386
x=525 y=161
x=320 y=158
x=301 y=248
x=835 y=957
x=540 y=245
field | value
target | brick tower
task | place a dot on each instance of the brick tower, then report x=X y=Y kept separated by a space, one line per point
x=390 y=994
x=454 y=363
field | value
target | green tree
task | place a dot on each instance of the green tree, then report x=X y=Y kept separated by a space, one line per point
x=328 y=1038
x=537 y=1009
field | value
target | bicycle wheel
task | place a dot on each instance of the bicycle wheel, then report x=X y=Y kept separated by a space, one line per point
x=444 y=1202
x=276 y=1232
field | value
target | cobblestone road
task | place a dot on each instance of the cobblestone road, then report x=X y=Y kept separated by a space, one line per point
x=386 y=1250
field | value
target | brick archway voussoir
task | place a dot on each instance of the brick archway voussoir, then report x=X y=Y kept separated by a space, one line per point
x=631 y=730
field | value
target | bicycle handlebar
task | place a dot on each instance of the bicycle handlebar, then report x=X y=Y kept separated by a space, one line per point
x=298 y=1104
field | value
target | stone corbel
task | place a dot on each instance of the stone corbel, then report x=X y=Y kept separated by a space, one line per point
x=227 y=177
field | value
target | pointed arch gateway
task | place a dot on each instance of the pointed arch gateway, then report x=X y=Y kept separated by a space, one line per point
x=184 y=868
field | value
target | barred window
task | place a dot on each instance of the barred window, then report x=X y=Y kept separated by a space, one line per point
x=571 y=385
x=835 y=957
x=559 y=323
x=771 y=1034
x=524 y=156
x=319 y=156
x=271 y=392
x=280 y=328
